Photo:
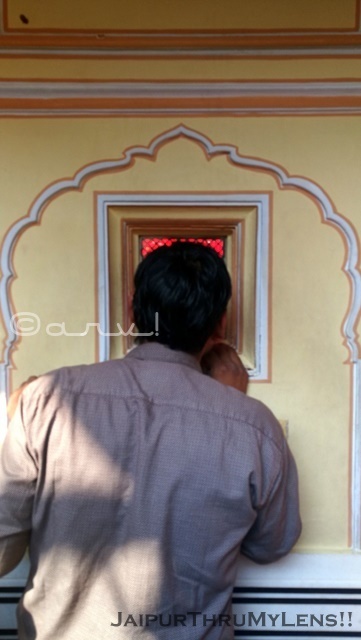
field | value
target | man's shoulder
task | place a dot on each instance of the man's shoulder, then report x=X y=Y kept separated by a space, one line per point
x=237 y=407
x=176 y=379
x=173 y=383
x=75 y=378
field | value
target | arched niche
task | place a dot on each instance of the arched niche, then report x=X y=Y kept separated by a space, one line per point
x=88 y=180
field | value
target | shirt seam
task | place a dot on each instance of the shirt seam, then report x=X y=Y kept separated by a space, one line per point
x=168 y=404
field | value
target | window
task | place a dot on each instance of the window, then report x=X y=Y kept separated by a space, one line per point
x=147 y=245
x=236 y=225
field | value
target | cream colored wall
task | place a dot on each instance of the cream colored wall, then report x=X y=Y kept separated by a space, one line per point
x=229 y=68
x=55 y=266
x=114 y=15
x=55 y=261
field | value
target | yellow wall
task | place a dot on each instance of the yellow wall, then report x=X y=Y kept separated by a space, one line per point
x=55 y=261
x=120 y=15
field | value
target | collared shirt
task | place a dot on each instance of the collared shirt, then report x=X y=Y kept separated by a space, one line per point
x=138 y=482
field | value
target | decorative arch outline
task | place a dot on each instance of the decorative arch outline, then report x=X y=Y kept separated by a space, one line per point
x=328 y=214
x=308 y=187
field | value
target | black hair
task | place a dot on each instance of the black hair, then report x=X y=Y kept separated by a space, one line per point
x=188 y=286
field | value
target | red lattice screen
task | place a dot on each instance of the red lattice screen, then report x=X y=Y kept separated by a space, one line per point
x=149 y=244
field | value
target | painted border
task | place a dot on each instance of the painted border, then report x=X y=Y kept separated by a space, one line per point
x=71 y=97
x=177 y=44
x=73 y=88
x=262 y=204
x=52 y=52
x=306 y=186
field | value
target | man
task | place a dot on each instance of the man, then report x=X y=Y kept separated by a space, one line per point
x=138 y=482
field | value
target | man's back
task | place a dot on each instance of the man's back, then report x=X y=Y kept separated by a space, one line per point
x=148 y=476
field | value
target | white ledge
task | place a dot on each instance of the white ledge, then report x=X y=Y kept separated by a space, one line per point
x=42 y=90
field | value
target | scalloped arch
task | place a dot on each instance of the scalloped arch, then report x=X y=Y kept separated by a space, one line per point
x=308 y=187
x=284 y=180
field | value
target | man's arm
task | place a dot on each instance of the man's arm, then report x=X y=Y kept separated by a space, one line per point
x=17 y=485
x=278 y=525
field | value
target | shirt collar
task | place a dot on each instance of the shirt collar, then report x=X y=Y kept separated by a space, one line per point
x=157 y=351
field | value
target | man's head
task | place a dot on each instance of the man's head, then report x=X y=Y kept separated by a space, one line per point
x=189 y=287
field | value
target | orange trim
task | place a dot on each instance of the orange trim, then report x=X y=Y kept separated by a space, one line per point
x=96 y=271
x=138 y=224
x=239 y=299
x=164 y=41
x=5 y=233
x=183 y=193
x=127 y=279
x=66 y=31
x=343 y=266
x=180 y=114
x=270 y=288
x=59 y=82
x=350 y=457
x=5 y=12
x=358 y=16
x=5 y=19
x=344 y=341
x=170 y=55
x=143 y=224
x=206 y=104
x=15 y=345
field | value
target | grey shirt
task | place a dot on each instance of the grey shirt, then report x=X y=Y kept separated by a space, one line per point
x=138 y=482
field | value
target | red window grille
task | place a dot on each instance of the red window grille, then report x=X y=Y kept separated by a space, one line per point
x=149 y=244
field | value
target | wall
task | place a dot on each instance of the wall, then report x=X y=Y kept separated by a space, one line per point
x=56 y=270
x=293 y=120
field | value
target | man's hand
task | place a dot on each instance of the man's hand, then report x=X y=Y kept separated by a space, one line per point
x=223 y=364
